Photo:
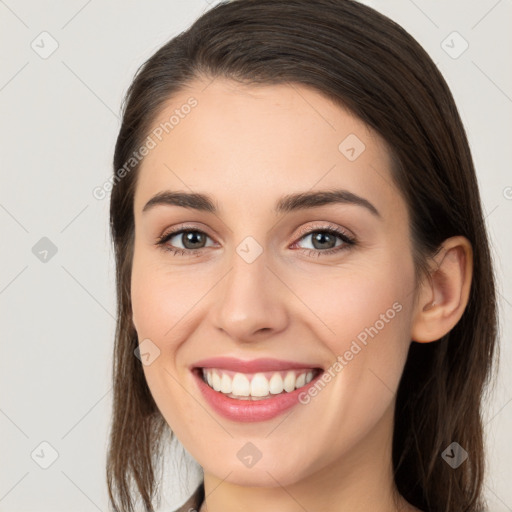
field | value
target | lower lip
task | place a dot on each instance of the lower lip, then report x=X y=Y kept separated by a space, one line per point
x=250 y=410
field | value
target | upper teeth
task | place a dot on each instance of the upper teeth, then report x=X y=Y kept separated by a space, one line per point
x=260 y=385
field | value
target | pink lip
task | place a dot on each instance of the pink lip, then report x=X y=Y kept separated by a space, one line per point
x=253 y=366
x=249 y=410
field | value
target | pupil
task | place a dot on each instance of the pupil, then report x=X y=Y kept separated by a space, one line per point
x=191 y=237
x=321 y=238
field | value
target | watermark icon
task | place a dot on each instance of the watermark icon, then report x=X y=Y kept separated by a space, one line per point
x=454 y=455
x=351 y=147
x=507 y=193
x=355 y=348
x=44 y=455
x=454 y=45
x=249 y=249
x=151 y=142
x=44 y=250
x=249 y=454
x=147 y=352
x=44 y=45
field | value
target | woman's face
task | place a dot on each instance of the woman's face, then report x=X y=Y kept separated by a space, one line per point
x=270 y=279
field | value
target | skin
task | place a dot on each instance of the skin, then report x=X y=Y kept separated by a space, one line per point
x=247 y=146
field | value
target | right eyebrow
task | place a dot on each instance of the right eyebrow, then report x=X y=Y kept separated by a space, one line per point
x=195 y=201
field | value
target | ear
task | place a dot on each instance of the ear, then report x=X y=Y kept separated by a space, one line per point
x=444 y=293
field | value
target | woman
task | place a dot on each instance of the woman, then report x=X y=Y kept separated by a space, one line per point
x=303 y=270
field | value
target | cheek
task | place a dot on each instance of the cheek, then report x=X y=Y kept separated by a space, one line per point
x=150 y=296
x=161 y=299
x=363 y=317
x=365 y=325
x=160 y=303
x=354 y=304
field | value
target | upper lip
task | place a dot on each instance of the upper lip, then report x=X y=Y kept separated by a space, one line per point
x=251 y=366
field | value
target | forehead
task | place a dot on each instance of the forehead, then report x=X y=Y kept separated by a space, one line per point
x=254 y=142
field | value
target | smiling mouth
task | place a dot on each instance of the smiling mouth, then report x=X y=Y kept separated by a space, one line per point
x=256 y=386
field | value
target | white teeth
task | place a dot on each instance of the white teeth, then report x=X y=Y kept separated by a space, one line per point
x=289 y=382
x=239 y=385
x=216 y=382
x=225 y=384
x=301 y=380
x=276 y=385
x=259 y=385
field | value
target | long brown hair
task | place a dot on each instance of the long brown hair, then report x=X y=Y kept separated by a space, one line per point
x=367 y=63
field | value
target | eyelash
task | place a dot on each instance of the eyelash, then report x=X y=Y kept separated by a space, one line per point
x=348 y=241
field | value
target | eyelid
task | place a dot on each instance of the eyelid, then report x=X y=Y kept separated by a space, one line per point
x=326 y=226
x=180 y=228
x=342 y=233
x=305 y=230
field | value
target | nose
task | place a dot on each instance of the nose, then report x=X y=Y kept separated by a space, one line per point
x=250 y=301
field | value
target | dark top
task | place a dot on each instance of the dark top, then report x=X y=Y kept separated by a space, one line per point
x=195 y=501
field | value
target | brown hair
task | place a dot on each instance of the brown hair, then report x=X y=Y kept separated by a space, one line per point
x=367 y=63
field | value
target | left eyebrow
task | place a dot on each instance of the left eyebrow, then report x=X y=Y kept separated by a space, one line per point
x=288 y=203
x=305 y=200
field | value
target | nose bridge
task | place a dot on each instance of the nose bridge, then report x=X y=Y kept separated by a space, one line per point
x=248 y=299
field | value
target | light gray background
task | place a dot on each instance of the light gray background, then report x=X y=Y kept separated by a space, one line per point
x=59 y=120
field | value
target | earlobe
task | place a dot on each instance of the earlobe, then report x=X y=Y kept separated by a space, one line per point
x=444 y=294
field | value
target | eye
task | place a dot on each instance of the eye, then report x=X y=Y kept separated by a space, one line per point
x=324 y=240
x=192 y=241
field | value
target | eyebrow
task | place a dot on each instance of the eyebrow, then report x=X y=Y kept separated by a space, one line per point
x=288 y=203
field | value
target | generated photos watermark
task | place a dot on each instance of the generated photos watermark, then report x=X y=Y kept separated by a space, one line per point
x=150 y=143
x=355 y=348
